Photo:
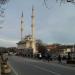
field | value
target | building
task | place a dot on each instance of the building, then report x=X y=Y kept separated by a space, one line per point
x=27 y=45
x=57 y=49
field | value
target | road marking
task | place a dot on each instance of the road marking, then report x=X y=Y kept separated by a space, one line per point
x=43 y=69
x=13 y=69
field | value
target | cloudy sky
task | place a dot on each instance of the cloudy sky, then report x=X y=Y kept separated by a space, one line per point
x=53 y=25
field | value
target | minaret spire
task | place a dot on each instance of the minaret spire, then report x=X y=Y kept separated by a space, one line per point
x=33 y=31
x=22 y=22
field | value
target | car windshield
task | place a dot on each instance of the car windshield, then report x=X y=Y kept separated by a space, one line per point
x=37 y=37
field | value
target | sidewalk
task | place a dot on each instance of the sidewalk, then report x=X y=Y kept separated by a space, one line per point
x=0 y=68
x=62 y=63
x=56 y=62
x=0 y=65
x=12 y=72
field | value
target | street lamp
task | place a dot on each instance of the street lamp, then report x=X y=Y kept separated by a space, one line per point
x=73 y=49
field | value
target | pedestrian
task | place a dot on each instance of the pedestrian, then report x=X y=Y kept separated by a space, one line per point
x=69 y=56
x=59 y=58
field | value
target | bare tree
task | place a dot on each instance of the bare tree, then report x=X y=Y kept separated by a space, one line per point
x=61 y=1
x=41 y=47
x=66 y=1
x=2 y=10
x=2 y=2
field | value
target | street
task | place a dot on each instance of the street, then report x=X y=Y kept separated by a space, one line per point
x=26 y=66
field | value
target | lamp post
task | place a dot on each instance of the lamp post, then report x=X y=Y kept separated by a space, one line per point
x=73 y=48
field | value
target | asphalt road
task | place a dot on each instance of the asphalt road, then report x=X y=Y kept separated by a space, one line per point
x=25 y=66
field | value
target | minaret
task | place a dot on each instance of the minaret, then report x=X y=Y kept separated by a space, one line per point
x=22 y=22
x=33 y=31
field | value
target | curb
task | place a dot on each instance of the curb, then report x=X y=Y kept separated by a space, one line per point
x=0 y=68
x=13 y=69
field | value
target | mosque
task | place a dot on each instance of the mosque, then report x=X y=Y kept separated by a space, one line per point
x=27 y=45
